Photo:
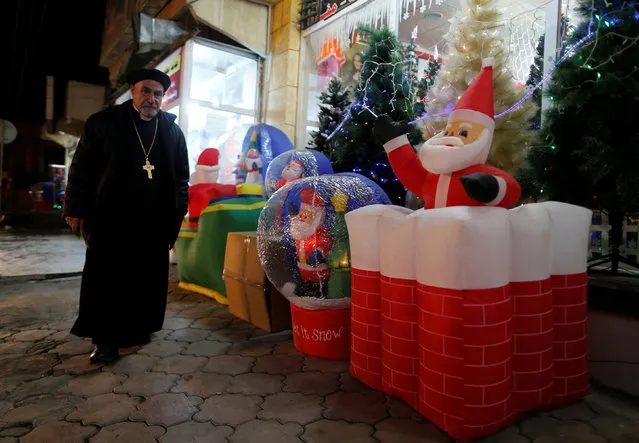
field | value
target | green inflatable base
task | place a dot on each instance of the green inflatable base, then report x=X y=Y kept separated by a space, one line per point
x=200 y=251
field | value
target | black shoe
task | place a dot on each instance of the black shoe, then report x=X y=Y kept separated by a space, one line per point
x=104 y=354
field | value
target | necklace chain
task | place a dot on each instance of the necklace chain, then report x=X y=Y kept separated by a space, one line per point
x=146 y=154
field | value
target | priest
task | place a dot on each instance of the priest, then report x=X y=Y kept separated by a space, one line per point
x=127 y=193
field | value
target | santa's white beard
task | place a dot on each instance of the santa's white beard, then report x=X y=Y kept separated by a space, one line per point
x=301 y=230
x=291 y=172
x=442 y=159
x=201 y=176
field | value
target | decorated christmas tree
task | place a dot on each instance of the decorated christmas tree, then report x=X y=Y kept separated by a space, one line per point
x=586 y=149
x=474 y=35
x=425 y=84
x=411 y=67
x=333 y=105
x=383 y=89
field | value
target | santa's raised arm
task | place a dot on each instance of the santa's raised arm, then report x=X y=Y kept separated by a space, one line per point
x=449 y=169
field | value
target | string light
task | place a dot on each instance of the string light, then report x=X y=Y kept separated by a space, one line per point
x=570 y=51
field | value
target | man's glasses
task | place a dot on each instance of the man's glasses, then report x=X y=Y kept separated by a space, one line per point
x=146 y=92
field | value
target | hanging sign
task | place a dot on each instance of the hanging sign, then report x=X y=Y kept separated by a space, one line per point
x=328 y=8
x=171 y=67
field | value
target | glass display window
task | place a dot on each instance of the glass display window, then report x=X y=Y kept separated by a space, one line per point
x=334 y=50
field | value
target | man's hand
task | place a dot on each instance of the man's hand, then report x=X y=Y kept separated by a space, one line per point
x=386 y=129
x=74 y=223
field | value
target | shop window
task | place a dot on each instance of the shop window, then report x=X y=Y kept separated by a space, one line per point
x=222 y=103
x=223 y=79
x=333 y=50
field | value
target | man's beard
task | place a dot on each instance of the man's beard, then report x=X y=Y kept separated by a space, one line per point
x=442 y=159
x=148 y=111
x=301 y=230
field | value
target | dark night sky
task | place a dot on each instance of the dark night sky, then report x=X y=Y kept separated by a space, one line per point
x=47 y=37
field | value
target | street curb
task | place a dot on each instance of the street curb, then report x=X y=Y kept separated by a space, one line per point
x=37 y=277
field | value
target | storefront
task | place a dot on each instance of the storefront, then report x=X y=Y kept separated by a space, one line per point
x=331 y=44
x=214 y=92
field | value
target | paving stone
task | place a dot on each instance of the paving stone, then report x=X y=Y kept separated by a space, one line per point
x=62 y=325
x=59 y=432
x=320 y=383
x=8 y=440
x=5 y=334
x=39 y=410
x=147 y=385
x=75 y=347
x=189 y=335
x=202 y=385
x=92 y=384
x=41 y=346
x=296 y=408
x=324 y=431
x=17 y=431
x=104 y=410
x=64 y=336
x=251 y=349
x=211 y=323
x=229 y=409
x=278 y=364
x=166 y=409
x=207 y=348
x=230 y=335
x=229 y=364
x=325 y=364
x=14 y=347
x=398 y=408
x=129 y=432
x=356 y=407
x=5 y=406
x=616 y=427
x=399 y=430
x=266 y=432
x=25 y=368
x=77 y=365
x=133 y=364
x=42 y=386
x=239 y=323
x=203 y=310
x=33 y=335
x=176 y=323
x=547 y=430
x=162 y=348
x=180 y=364
x=577 y=411
x=509 y=435
x=348 y=383
x=163 y=334
x=256 y=384
x=196 y=433
x=287 y=348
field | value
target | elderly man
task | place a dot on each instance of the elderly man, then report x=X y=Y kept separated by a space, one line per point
x=127 y=193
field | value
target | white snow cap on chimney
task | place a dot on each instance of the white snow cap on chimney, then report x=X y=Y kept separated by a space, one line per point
x=488 y=61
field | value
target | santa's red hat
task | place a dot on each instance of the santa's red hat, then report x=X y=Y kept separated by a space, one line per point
x=208 y=160
x=311 y=198
x=299 y=162
x=478 y=103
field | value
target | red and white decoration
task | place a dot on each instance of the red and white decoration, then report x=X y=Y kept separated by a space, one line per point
x=471 y=315
x=204 y=186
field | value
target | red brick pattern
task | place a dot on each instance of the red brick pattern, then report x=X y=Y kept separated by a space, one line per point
x=478 y=358
x=570 y=378
x=400 y=365
x=533 y=344
x=366 y=328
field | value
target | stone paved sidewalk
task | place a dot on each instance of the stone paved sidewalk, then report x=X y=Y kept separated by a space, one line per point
x=208 y=377
x=27 y=254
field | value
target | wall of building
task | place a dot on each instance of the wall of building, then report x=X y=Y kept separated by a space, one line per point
x=282 y=87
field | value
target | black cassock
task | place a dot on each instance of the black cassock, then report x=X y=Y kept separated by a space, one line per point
x=130 y=222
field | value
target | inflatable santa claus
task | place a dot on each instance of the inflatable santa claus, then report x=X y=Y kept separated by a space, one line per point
x=450 y=169
x=204 y=186
x=294 y=170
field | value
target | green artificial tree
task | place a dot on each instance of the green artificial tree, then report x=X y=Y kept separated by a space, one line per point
x=586 y=150
x=411 y=66
x=425 y=84
x=334 y=103
x=383 y=89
